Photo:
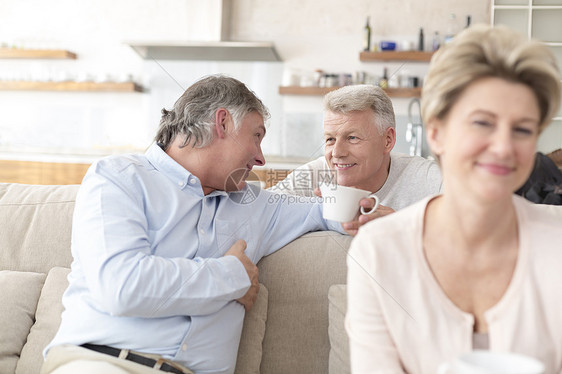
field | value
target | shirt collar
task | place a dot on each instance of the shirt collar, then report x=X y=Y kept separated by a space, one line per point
x=162 y=162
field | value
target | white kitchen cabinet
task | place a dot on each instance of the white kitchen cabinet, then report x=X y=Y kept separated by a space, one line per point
x=541 y=20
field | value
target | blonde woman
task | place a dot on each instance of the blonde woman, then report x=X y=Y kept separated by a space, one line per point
x=475 y=267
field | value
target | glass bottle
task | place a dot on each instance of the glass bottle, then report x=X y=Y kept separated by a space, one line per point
x=367 y=36
x=452 y=29
x=436 y=43
x=383 y=83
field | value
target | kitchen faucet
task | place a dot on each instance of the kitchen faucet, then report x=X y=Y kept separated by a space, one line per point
x=414 y=130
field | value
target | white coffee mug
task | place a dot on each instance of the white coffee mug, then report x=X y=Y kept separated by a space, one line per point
x=340 y=203
x=486 y=362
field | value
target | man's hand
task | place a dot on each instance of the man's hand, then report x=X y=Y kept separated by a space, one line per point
x=360 y=219
x=237 y=250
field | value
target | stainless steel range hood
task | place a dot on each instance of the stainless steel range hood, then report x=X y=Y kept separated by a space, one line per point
x=208 y=27
x=207 y=51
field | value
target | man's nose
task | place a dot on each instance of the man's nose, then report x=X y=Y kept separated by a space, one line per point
x=259 y=159
x=339 y=149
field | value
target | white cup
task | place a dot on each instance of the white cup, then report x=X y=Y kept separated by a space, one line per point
x=340 y=203
x=486 y=362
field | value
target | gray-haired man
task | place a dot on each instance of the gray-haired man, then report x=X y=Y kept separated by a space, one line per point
x=359 y=135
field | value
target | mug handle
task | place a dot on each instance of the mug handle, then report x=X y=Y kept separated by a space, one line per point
x=444 y=368
x=375 y=197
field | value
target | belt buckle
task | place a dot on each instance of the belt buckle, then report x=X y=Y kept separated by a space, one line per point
x=161 y=361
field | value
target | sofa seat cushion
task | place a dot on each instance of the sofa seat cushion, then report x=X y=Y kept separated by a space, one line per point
x=47 y=321
x=20 y=292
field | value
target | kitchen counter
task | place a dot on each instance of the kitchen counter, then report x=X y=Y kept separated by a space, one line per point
x=46 y=167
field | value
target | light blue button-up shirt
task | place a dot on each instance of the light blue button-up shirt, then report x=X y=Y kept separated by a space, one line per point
x=149 y=272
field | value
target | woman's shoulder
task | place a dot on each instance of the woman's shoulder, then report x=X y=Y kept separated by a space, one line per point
x=541 y=229
x=538 y=214
x=409 y=217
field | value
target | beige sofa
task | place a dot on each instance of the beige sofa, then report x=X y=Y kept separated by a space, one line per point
x=293 y=327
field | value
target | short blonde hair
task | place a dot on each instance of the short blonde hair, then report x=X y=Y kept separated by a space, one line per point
x=483 y=51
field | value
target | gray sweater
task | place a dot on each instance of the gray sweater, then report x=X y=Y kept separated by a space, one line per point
x=410 y=179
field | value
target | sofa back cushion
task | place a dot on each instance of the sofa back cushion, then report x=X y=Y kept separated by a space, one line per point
x=20 y=292
x=298 y=278
x=35 y=226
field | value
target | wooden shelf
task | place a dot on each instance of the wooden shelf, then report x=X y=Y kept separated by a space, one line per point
x=69 y=86
x=321 y=91
x=404 y=92
x=418 y=56
x=309 y=91
x=36 y=53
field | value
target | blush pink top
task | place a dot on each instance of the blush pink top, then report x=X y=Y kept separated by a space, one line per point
x=399 y=320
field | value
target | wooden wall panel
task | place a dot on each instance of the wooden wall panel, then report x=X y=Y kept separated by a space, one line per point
x=34 y=172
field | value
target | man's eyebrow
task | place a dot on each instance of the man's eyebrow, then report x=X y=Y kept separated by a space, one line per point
x=342 y=133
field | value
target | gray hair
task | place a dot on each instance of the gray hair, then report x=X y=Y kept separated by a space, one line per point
x=483 y=51
x=193 y=115
x=359 y=98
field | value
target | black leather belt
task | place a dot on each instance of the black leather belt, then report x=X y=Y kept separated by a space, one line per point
x=146 y=361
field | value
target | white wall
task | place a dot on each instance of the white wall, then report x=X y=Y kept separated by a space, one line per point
x=311 y=34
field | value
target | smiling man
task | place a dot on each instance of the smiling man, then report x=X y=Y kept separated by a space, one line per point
x=164 y=250
x=359 y=134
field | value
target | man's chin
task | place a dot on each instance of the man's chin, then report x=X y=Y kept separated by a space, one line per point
x=236 y=181
x=236 y=187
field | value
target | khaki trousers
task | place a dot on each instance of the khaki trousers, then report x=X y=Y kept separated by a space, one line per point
x=71 y=359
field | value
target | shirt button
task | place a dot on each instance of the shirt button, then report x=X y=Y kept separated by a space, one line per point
x=180 y=184
x=192 y=181
x=184 y=347
x=202 y=231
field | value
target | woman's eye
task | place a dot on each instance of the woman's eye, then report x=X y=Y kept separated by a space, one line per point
x=523 y=131
x=483 y=123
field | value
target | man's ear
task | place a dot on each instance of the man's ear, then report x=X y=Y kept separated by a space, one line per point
x=434 y=130
x=389 y=139
x=221 y=118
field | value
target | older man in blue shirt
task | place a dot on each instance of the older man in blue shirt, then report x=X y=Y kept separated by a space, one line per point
x=165 y=243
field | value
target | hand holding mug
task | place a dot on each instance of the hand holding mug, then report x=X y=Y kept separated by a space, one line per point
x=341 y=203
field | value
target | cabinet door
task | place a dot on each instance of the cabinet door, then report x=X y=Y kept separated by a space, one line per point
x=515 y=19
x=541 y=20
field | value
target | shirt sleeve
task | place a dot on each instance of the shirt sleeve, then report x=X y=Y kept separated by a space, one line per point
x=372 y=349
x=111 y=248
x=283 y=218
x=434 y=179
x=304 y=179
